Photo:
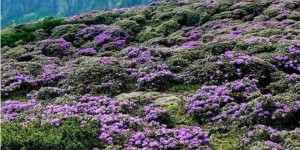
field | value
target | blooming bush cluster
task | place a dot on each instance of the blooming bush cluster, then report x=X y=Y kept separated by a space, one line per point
x=117 y=118
x=190 y=137
x=193 y=36
x=232 y=66
x=50 y=74
x=140 y=54
x=290 y=61
x=155 y=76
x=87 y=52
x=117 y=36
x=12 y=109
x=270 y=137
x=208 y=100
x=54 y=47
x=104 y=37
x=212 y=103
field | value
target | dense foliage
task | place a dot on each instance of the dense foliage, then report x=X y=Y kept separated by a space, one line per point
x=172 y=75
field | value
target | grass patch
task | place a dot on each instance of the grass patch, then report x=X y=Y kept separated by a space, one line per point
x=184 y=88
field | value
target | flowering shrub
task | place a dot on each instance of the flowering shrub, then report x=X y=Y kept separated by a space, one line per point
x=87 y=52
x=191 y=137
x=51 y=74
x=208 y=100
x=231 y=66
x=54 y=47
x=271 y=138
x=139 y=54
x=191 y=44
x=215 y=103
x=155 y=77
x=113 y=35
x=194 y=33
x=290 y=62
x=90 y=32
x=12 y=108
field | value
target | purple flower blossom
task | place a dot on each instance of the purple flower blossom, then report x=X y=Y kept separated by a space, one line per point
x=238 y=85
x=87 y=52
x=140 y=55
x=105 y=61
x=104 y=37
x=64 y=44
x=154 y=76
x=229 y=54
x=281 y=58
x=250 y=133
x=245 y=141
x=55 y=122
x=209 y=99
x=194 y=34
x=235 y=33
x=191 y=44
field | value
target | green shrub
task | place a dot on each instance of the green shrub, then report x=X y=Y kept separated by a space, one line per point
x=225 y=142
x=168 y=27
x=257 y=48
x=192 y=18
x=163 y=13
x=176 y=64
x=25 y=33
x=147 y=34
x=269 y=32
x=249 y=7
x=140 y=19
x=294 y=15
x=103 y=18
x=35 y=136
x=93 y=76
x=202 y=71
x=34 y=68
x=279 y=83
x=204 y=17
x=220 y=47
x=14 y=52
x=223 y=15
x=48 y=93
x=261 y=18
x=271 y=12
x=292 y=4
x=176 y=39
x=20 y=34
x=132 y=27
x=40 y=34
x=67 y=31
x=158 y=41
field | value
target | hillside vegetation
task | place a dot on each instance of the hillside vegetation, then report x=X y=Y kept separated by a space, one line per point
x=22 y=11
x=174 y=75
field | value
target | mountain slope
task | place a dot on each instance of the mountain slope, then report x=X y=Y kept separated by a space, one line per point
x=189 y=74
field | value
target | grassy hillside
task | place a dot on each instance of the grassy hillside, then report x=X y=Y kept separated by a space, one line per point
x=189 y=74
